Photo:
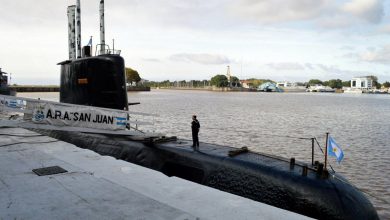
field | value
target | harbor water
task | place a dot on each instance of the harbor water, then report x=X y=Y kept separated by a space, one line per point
x=279 y=124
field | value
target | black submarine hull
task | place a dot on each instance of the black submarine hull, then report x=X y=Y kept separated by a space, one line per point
x=264 y=178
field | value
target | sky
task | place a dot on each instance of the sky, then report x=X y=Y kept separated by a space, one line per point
x=283 y=40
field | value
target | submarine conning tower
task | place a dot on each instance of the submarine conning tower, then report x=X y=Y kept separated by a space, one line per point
x=97 y=80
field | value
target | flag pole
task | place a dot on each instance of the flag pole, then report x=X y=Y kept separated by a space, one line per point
x=326 y=149
x=91 y=46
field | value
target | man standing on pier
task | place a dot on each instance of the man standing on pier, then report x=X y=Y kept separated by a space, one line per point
x=195 y=131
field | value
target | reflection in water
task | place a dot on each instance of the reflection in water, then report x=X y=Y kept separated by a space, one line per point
x=268 y=122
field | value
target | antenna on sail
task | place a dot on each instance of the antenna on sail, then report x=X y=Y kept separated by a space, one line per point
x=71 y=32
x=74 y=27
x=78 y=25
x=102 y=30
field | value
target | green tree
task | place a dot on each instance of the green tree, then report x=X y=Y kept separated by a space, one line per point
x=235 y=81
x=375 y=82
x=165 y=83
x=219 y=81
x=335 y=83
x=257 y=82
x=132 y=76
x=386 y=84
x=325 y=83
x=347 y=83
x=312 y=82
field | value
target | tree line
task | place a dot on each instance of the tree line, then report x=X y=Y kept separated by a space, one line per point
x=219 y=80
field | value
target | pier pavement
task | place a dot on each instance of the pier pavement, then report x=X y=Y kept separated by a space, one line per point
x=101 y=187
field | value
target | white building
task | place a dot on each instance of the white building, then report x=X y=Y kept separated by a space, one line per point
x=246 y=84
x=285 y=84
x=363 y=83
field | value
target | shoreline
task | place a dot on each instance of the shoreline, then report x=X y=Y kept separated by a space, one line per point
x=55 y=88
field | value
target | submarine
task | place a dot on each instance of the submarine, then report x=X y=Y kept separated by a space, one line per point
x=99 y=81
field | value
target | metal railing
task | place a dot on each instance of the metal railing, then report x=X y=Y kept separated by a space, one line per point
x=102 y=49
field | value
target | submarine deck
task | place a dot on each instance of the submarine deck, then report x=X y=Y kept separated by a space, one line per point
x=222 y=152
x=100 y=187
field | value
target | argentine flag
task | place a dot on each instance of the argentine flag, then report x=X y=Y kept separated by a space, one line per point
x=335 y=150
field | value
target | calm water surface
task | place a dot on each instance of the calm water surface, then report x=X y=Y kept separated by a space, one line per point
x=274 y=122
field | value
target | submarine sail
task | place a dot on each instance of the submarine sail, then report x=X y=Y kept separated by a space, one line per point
x=92 y=80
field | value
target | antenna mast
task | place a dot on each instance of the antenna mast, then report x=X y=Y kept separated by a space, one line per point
x=102 y=31
x=78 y=25
x=71 y=32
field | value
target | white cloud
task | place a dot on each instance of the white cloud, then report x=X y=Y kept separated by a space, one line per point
x=338 y=21
x=149 y=31
x=325 y=13
x=347 y=47
x=337 y=72
x=372 y=55
x=276 y=11
x=381 y=56
x=151 y=60
x=309 y=66
x=202 y=58
x=370 y=10
x=385 y=29
x=286 y=66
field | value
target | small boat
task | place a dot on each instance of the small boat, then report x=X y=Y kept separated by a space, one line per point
x=320 y=88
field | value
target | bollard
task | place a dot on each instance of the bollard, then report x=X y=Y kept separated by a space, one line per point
x=320 y=168
x=304 y=170
x=292 y=162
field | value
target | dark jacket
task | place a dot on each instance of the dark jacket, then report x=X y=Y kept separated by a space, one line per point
x=195 y=125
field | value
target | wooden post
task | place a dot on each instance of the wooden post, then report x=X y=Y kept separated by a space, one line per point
x=326 y=149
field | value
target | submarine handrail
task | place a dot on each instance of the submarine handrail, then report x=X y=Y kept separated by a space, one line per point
x=324 y=153
x=310 y=168
x=303 y=138
x=103 y=50
x=346 y=182
x=301 y=164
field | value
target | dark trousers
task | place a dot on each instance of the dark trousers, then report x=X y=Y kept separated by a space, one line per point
x=195 y=139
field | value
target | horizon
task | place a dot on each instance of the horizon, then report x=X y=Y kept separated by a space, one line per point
x=174 y=40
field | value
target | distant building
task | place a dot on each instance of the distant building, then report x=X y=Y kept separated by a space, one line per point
x=363 y=83
x=286 y=84
x=143 y=81
x=246 y=84
x=269 y=87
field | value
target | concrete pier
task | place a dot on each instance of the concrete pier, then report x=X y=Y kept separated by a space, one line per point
x=101 y=187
